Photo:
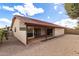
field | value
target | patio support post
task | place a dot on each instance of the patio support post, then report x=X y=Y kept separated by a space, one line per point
x=46 y=33
x=53 y=32
x=33 y=33
x=26 y=34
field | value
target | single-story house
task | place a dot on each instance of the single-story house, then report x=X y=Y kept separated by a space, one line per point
x=25 y=28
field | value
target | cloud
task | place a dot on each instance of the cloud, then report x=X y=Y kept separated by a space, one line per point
x=48 y=17
x=28 y=9
x=56 y=3
x=60 y=12
x=55 y=7
x=8 y=8
x=4 y=22
x=67 y=22
x=23 y=10
x=16 y=13
x=59 y=8
x=20 y=9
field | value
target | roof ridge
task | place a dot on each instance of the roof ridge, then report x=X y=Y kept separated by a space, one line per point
x=37 y=21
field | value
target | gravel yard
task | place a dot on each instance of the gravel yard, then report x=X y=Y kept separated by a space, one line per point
x=67 y=45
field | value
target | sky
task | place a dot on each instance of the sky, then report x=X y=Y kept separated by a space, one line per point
x=49 y=12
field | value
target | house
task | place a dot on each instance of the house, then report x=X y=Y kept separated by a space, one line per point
x=25 y=28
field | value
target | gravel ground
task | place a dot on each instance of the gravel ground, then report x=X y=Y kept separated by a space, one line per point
x=67 y=45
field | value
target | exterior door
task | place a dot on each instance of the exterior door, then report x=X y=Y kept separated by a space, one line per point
x=37 y=32
x=49 y=32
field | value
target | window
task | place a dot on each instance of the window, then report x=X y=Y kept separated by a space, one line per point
x=49 y=31
x=29 y=32
x=15 y=29
x=23 y=28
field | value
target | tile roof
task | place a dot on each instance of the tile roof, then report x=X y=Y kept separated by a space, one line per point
x=31 y=21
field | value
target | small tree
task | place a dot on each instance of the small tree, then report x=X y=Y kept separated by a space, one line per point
x=73 y=11
x=1 y=35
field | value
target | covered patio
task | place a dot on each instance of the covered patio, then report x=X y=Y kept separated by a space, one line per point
x=34 y=32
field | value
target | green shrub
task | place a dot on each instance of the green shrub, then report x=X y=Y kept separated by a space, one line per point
x=2 y=34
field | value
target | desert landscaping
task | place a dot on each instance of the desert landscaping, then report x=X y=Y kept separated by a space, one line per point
x=50 y=32
x=66 y=45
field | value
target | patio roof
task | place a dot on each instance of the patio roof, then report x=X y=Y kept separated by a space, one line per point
x=34 y=22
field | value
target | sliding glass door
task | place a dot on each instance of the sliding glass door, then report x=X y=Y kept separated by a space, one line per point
x=37 y=32
x=49 y=32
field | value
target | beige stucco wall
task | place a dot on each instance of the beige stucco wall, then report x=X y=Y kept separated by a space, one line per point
x=58 y=31
x=21 y=35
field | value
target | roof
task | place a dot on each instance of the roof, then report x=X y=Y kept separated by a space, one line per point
x=31 y=21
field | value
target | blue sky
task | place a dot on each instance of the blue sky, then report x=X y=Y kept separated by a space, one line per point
x=50 y=12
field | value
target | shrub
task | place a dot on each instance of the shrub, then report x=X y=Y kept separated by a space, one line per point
x=2 y=35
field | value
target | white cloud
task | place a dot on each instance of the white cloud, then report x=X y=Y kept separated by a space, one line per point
x=29 y=9
x=4 y=22
x=60 y=12
x=58 y=7
x=2 y=26
x=8 y=8
x=71 y=23
x=48 y=17
x=16 y=13
x=56 y=3
x=20 y=9
x=55 y=7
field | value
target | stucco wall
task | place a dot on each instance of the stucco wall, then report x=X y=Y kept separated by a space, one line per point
x=58 y=31
x=21 y=35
